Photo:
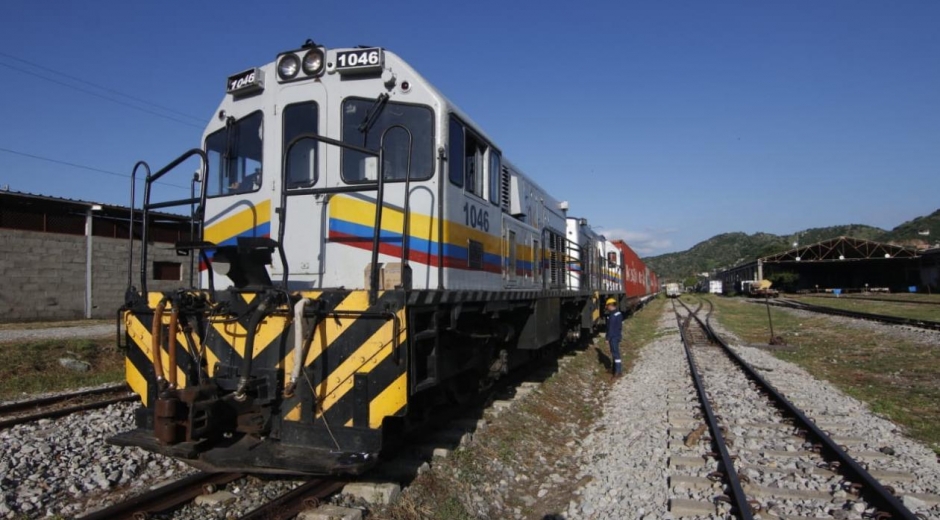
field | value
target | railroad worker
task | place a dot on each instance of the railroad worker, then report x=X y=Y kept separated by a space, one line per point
x=614 y=335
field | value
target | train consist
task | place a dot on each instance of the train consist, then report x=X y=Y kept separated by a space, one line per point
x=368 y=254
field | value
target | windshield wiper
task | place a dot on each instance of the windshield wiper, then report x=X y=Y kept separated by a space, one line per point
x=372 y=115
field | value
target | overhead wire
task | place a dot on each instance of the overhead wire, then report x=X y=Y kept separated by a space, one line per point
x=81 y=166
x=101 y=87
x=101 y=96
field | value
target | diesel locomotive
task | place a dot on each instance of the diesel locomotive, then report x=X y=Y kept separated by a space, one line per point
x=366 y=254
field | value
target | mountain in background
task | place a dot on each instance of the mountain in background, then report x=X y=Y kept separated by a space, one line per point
x=729 y=249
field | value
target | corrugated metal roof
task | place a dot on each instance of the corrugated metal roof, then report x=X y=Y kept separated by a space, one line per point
x=85 y=203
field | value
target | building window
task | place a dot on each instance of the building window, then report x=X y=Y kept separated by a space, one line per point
x=169 y=271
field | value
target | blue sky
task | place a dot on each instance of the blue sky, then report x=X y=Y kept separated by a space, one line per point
x=665 y=122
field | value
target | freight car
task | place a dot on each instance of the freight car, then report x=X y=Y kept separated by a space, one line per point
x=367 y=255
x=639 y=282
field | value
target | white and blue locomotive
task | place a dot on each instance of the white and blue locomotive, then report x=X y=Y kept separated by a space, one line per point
x=368 y=252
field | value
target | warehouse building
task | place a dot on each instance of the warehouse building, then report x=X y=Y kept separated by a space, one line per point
x=63 y=259
x=844 y=263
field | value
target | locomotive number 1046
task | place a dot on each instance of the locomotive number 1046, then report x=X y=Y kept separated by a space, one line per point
x=477 y=218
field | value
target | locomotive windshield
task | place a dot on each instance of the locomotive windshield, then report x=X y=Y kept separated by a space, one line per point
x=235 y=157
x=299 y=119
x=417 y=119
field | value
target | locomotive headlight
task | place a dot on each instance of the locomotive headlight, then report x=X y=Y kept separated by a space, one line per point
x=288 y=67
x=313 y=62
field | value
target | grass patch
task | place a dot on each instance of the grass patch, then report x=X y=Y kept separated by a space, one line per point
x=901 y=310
x=901 y=297
x=898 y=378
x=642 y=328
x=33 y=367
x=521 y=449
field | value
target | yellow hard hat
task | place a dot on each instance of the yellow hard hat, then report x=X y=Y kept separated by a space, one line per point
x=611 y=301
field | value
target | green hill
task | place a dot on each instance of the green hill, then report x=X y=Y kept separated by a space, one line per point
x=909 y=233
x=728 y=249
x=718 y=251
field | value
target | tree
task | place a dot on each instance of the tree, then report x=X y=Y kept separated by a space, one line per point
x=784 y=281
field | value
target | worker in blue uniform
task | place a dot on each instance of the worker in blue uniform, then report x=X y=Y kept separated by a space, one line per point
x=614 y=335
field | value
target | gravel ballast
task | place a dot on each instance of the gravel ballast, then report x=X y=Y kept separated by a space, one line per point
x=64 y=466
x=627 y=457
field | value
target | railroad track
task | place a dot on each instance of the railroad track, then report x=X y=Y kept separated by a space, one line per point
x=290 y=504
x=60 y=405
x=167 y=498
x=882 y=318
x=446 y=432
x=768 y=435
x=164 y=498
x=873 y=299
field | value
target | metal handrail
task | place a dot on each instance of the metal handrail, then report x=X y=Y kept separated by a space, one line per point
x=130 y=231
x=441 y=157
x=380 y=208
x=406 y=224
x=192 y=228
x=147 y=206
x=379 y=186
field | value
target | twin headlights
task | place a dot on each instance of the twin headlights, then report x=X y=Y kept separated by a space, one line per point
x=290 y=64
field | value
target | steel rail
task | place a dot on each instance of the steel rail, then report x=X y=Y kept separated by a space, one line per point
x=874 y=492
x=883 y=318
x=290 y=504
x=868 y=299
x=17 y=406
x=163 y=498
x=738 y=496
x=37 y=405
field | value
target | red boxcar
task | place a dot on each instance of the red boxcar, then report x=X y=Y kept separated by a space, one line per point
x=638 y=280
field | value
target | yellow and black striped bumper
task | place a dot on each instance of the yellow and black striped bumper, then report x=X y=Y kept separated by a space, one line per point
x=354 y=372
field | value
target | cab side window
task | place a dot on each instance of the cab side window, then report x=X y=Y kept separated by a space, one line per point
x=455 y=154
x=467 y=158
x=495 y=170
x=474 y=151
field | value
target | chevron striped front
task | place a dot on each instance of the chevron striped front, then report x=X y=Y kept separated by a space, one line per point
x=353 y=376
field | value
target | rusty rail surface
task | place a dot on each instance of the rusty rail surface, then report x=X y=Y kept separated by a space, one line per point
x=876 y=494
x=51 y=407
x=163 y=498
x=290 y=504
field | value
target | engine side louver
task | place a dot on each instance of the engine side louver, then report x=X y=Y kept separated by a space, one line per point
x=504 y=189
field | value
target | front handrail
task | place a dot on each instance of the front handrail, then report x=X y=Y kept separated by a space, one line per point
x=378 y=186
x=406 y=224
x=147 y=206
x=130 y=230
